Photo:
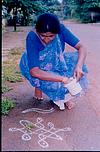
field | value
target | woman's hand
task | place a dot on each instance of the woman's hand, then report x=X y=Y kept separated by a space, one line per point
x=78 y=73
x=65 y=80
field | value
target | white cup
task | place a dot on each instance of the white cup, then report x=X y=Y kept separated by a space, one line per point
x=73 y=87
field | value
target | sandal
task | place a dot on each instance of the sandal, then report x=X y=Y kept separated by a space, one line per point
x=37 y=98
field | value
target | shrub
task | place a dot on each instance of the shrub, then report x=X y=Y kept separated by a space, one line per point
x=6 y=105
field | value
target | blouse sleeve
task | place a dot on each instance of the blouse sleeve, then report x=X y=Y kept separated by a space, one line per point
x=68 y=36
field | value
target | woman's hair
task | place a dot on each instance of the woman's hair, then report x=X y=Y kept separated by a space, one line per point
x=47 y=22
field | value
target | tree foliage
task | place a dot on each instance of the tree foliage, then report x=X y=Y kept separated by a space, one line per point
x=29 y=7
x=81 y=9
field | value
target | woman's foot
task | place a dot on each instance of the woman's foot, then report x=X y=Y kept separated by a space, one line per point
x=38 y=94
x=70 y=104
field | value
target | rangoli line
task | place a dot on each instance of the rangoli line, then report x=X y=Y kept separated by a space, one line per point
x=38 y=110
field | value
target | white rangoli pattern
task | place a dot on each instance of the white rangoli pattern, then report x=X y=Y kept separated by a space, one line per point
x=38 y=110
x=40 y=130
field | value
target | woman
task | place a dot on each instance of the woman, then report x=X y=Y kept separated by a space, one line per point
x=45 y=63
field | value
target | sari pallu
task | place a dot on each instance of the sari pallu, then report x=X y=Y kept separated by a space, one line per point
x=53 y=60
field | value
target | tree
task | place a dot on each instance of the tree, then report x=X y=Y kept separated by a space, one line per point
x=81 y=9
x=30 y=7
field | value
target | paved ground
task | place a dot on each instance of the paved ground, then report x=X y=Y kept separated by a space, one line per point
x=46 y=134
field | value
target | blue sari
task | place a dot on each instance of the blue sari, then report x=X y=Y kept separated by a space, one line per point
x=53 y=60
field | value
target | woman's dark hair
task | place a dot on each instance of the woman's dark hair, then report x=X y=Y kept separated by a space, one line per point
x=47 y=22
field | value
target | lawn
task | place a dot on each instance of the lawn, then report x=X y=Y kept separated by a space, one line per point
x=11 y=74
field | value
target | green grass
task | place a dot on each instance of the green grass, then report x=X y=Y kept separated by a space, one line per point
x=10 y=67
x=11 y=74
x=18 y=30
x=5 y=88
x=16 y=51
x=29 y=126
x=6 y=105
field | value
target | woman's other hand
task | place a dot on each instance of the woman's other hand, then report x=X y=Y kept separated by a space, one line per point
x=78 y=73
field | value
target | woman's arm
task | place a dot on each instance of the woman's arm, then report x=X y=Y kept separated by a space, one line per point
x=73 y=41
x=82 y=53
x=43 y=75
x=81 y=59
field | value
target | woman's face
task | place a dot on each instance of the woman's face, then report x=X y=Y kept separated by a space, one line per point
x=47 y=37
